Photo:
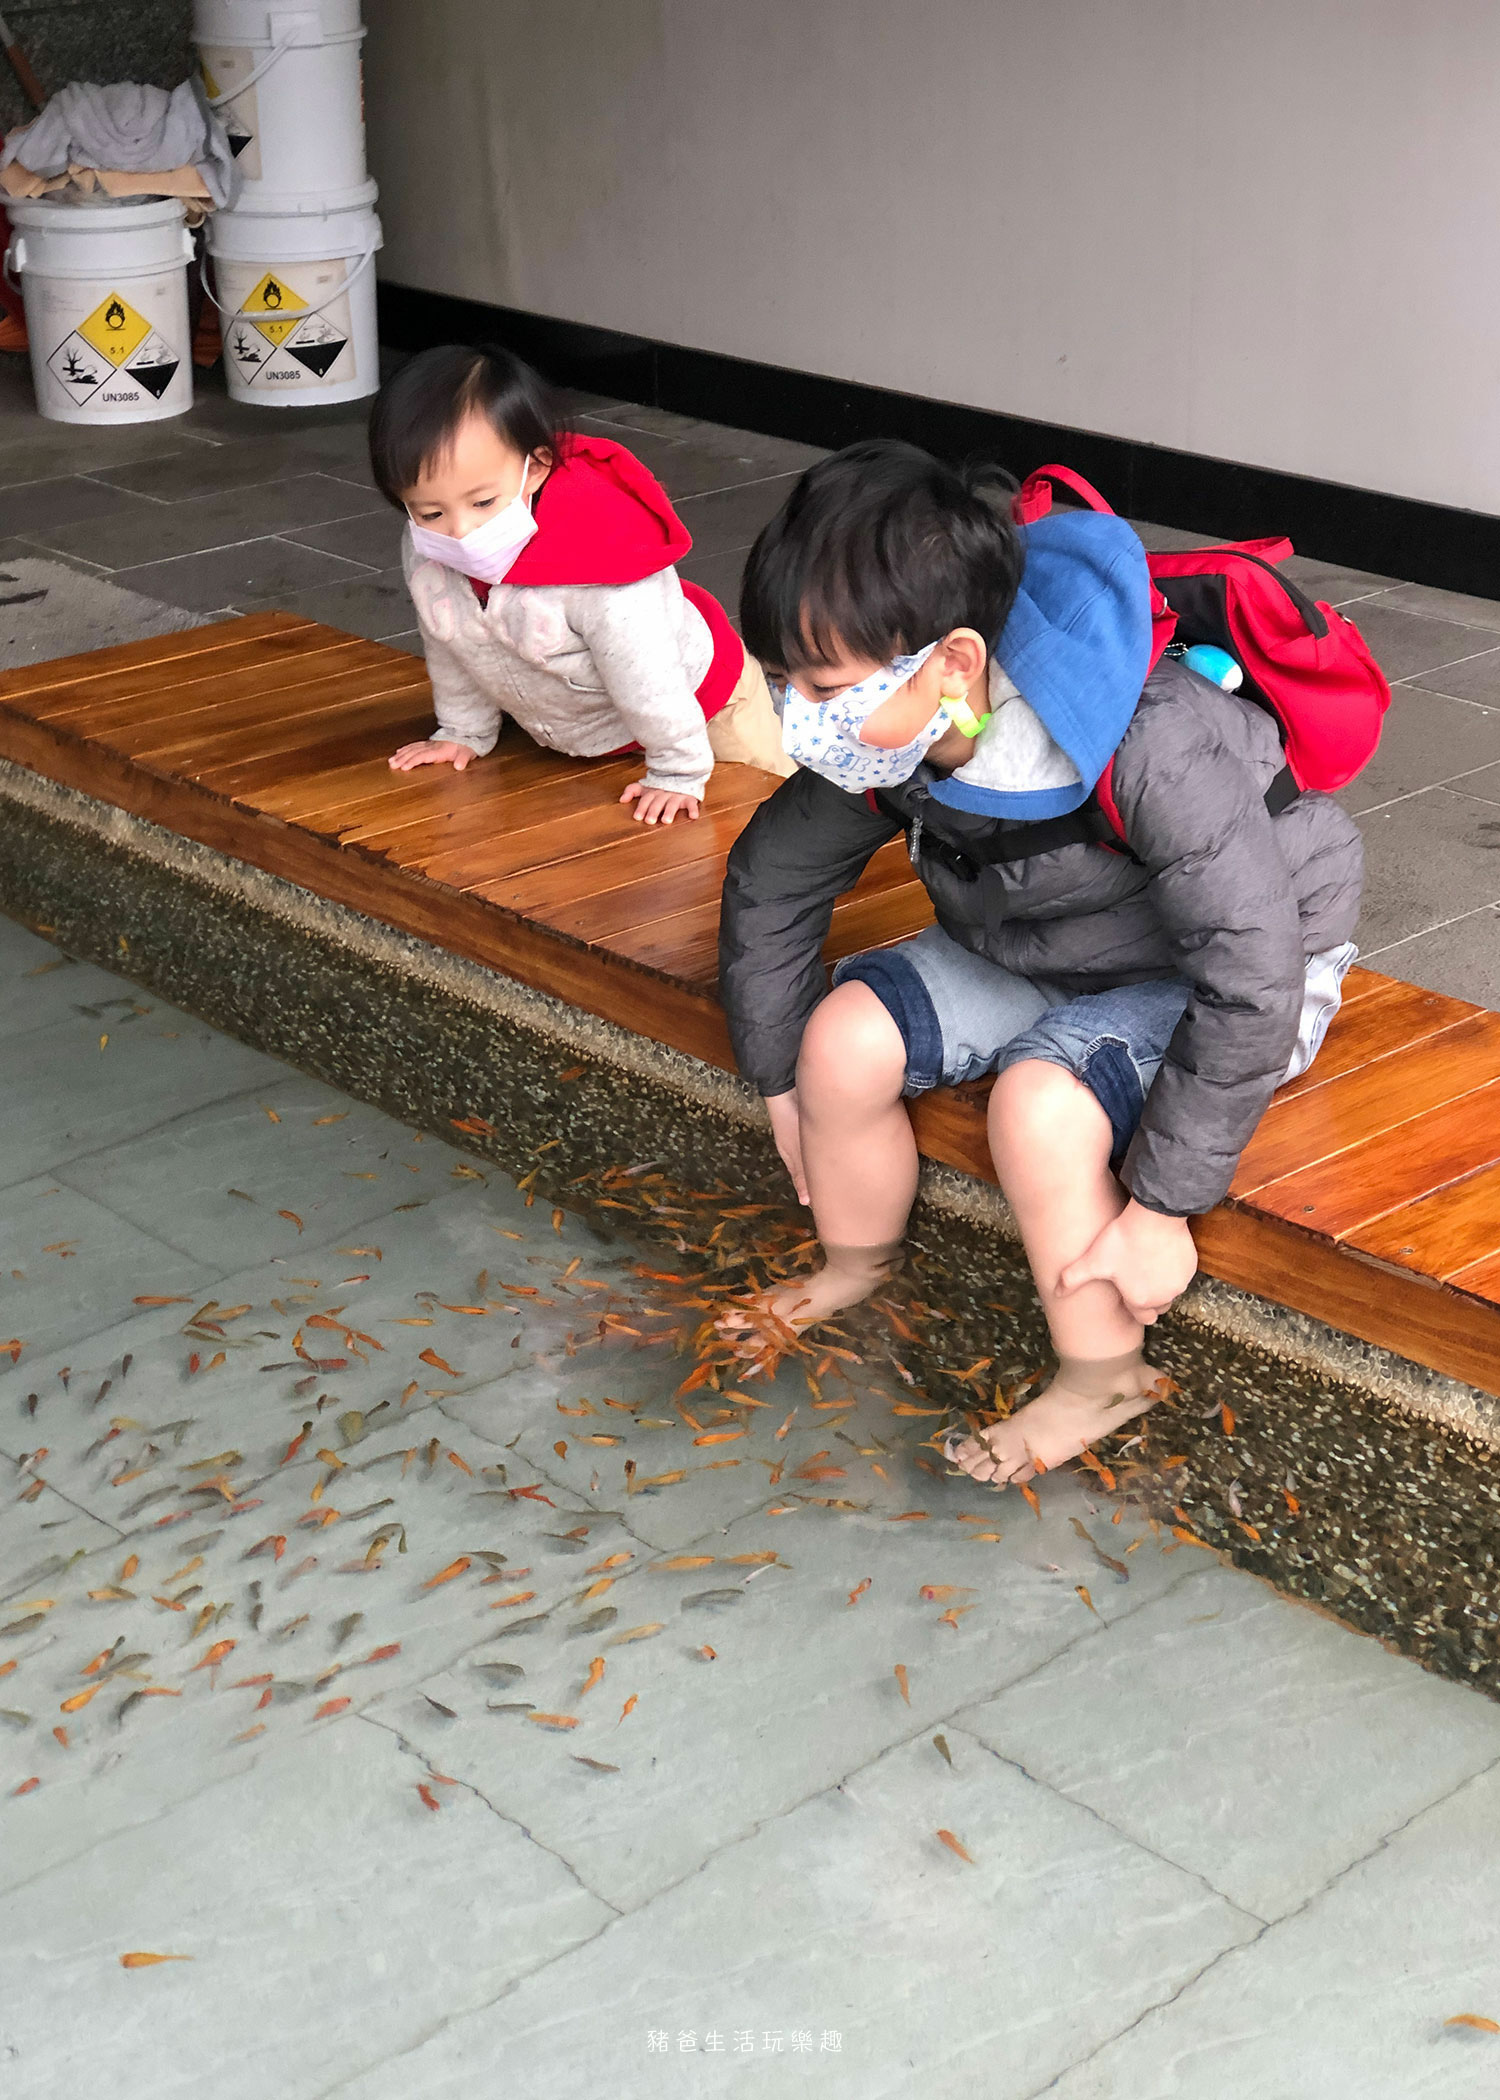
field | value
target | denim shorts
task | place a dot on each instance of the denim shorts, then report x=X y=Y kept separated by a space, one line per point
x=962 y=1017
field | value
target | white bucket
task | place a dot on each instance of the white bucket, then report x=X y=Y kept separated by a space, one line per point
x=105 y=281
x=296 y=296
x=286 y=82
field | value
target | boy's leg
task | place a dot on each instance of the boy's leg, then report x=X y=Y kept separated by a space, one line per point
x=897 y=1022
x=858 y=1152
x=1062 y=1111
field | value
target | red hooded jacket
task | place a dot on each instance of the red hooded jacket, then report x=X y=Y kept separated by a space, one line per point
x=604 y=518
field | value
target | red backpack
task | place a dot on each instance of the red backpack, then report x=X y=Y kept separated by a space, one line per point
x=1304 y=663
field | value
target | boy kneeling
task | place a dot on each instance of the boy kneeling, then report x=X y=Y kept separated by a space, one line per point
x=946 y=674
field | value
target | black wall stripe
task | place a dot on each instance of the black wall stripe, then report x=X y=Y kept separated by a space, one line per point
x=1457 y=550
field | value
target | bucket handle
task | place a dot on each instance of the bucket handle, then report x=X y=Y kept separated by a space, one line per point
x=337 y=293
x=256 y=73
x=14 y=261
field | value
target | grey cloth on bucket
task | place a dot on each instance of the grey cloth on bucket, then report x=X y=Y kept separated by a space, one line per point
x=126 y=127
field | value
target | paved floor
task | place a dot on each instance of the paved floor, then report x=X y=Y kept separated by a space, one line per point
x=1123 y=1824
x=342 y=1665
x=232 y=508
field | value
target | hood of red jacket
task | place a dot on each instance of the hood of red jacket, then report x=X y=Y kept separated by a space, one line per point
x=601 y=518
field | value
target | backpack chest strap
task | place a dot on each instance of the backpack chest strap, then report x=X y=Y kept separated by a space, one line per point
x=1086 y=826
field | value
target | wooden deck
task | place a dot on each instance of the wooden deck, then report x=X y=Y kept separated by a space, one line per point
x=1369 y=1197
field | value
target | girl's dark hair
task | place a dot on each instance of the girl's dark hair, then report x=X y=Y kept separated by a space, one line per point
x=417 y=412
x=877 y=552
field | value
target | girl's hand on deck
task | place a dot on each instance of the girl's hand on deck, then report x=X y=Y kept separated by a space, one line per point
x=431 y=752
x=658 y=805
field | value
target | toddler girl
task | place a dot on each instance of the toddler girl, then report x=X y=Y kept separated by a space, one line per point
x=542 y=568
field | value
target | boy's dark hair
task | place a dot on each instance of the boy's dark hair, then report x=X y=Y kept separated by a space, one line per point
x=878 y=551
x=417 y=412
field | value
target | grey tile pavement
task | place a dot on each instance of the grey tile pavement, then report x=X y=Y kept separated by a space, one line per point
x=1206 y=1840
x=149 y=532
x=255 y=572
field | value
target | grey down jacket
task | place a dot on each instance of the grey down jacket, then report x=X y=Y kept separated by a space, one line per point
x=1219 y=893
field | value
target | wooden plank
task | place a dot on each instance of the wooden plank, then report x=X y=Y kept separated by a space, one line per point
x=1482 y=1280
x=695 y=889
x=1390 y=1018
x=375 y=798
x=1378 y=1097
x=686 y=945
x=1413 y=1316
x=453 y=846
x=655 y=853
x=533 y=848
x=951 y=1125
x=469 y=859
x=97 y=707
x=1442 y=1235
x=651 y=1006
x=1352 y=1189
x=348 y=744
x=1360 y=983
x=180 y=743
x=21 y=688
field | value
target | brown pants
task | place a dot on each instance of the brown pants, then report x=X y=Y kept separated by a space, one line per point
x=747 y=730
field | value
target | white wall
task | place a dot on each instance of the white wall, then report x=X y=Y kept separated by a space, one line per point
x=1260 y=229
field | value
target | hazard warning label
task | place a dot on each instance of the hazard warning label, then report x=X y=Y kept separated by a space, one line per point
x=116 y=373
x=114 y=329
x=238 y=113
x=279 y=338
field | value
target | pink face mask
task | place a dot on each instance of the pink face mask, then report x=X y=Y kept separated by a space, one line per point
x=488 y=552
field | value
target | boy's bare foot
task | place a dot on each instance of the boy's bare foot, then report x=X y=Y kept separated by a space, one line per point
x=848 y=1276
x=1083 y=1403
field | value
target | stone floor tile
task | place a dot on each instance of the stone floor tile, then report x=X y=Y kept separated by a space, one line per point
x=732 y=517
x=1347 y=2000
x=799 y=1671
x=39 y=508
x=258 y=571
x=411 y=642
x=54 y=607
x=1477 y=679
x=1169 y=539
x=1483 y=785
x=1245 y=1740
x=39 y=985
x=1428 y=859
x=720 y=574
x=709 y=460
x=850 y=1918
x=39 y=1539
x=210 y=470
x=1426 y=739
x=161 y=531
x=1461 y=958
x=1408 y=645
x=375 y=606
x=1334 y=582
x=374 y=538
x=331 y=1163
x=67 y=1093
x=332 y=1921
x=313 y=1604
x=96 y=1267
x=1445 y=605
x=774 y=455
x=32 y=451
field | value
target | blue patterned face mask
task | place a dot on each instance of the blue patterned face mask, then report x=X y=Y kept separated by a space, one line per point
x=824 y=735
